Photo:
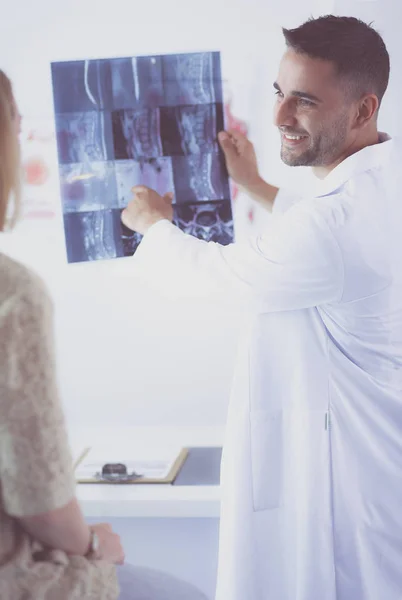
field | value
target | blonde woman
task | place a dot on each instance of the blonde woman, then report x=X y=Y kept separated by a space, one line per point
x=47 y=551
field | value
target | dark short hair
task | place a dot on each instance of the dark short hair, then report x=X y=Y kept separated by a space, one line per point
x=356 y=49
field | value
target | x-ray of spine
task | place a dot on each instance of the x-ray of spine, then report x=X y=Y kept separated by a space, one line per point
x=149 y=120
x=209 y=221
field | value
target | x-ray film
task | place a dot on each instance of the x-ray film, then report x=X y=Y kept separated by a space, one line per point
x=149 y=120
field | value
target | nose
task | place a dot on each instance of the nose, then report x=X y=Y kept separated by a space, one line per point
x=284 y=115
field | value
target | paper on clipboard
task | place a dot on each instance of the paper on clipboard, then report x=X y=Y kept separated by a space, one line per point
x=97 y=466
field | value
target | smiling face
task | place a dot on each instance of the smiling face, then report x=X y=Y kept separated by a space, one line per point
x=312 y=112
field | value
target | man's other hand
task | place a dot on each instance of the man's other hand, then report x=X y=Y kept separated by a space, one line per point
x=241 y=160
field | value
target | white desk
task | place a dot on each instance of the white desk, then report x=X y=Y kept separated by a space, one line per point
x=156 y=500
x=149 y=501
x=173 y=528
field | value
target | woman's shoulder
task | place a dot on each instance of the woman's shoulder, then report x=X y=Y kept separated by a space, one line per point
x=19 y=283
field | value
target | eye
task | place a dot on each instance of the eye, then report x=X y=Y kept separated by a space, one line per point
x=279 y=94
x=306 y=103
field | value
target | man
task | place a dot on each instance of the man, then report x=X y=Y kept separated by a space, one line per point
x=312 y=467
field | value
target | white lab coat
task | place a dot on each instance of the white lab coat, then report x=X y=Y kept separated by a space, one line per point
x=312 y=464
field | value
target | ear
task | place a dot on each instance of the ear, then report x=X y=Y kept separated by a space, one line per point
x=367 y=110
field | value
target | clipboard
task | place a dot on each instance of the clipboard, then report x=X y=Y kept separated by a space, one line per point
x=91 y=472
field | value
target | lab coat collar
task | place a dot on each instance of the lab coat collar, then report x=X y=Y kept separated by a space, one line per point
x=364 y=160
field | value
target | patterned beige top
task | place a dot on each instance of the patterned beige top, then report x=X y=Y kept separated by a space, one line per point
x=35 y=461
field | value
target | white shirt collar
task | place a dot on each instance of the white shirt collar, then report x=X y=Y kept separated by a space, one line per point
x=364 y=160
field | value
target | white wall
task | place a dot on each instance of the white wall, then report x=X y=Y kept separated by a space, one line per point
x=385 y=15
x=123 y=353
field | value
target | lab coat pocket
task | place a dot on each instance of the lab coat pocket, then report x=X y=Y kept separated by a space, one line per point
x=266 y=437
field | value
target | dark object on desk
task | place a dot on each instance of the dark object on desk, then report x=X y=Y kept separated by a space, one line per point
x=117 y=472
x=114 y=469
x=202 y=467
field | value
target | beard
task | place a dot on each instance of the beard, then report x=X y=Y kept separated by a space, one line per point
x=324 y=148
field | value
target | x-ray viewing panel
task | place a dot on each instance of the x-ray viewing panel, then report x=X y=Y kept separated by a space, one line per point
x=149 y=120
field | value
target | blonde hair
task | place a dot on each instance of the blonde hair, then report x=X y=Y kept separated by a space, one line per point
x=10 y=162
